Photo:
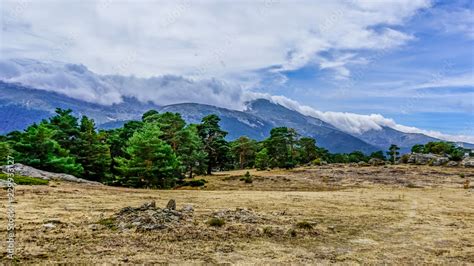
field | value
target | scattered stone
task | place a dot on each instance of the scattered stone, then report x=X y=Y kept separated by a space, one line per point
x=171 y=204
x=438 y=161
x=362 y=163
x=49 y=226
x=376 y=162
x=468 y=162
x=93 y=227
x=452 y=164
x=187 y=208
x=240 y=215
x=148 y=217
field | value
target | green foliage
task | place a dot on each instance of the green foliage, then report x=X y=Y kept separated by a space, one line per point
x=5 y=151
x=37 y=148
x=281 y=147
x=247 y=178
x=215 y=145
x=378 y=155
x=150 y=162
x=393 y=153
x=190 y=150
x=244 y=150
x=307 y=150
x=262 y=159
x=93 y=153
x=25 y=180
x=216 y=222
x=441 y=148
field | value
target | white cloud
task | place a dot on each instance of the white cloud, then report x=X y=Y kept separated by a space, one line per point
x=198 y=38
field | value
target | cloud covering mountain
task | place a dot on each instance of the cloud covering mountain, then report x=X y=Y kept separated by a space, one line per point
x=78 y=82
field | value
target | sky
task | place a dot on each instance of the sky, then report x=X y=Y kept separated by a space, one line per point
x=359 y=65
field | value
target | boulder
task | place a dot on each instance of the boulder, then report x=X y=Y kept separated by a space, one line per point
x=452 y=164
x=376 y=162
x=468 y=162
x=24 y=170
x=423 y=159
x=171 y=205
x=438 y=161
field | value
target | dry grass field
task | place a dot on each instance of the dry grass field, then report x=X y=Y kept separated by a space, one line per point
x=329 y=214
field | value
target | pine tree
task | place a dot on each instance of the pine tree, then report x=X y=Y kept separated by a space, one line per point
x=190 y=150
x=280 y=146
x=244 y=150
x=262 y=159
x=214 y=141
x=38 y=149
x=393 y=153
x=92 y=151
x=149 y=162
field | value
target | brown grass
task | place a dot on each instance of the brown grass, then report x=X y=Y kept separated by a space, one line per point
x=356 y=215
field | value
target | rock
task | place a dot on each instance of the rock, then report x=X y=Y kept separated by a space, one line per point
x=171 y=204
x=49 y=226
x=93 y=227
x=423 y=159
x=187 y=208
x=362 y=163
x=376 y=162
x=437 y=161
x=148 y=205
x=468 y=162
x=25 y=170
x=452 y=164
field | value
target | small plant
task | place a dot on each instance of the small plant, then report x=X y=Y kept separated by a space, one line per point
x=304 y=225
x=108 y=222
x=25 y=180
x=461 y=175
x=216 y=222
x=247 y=178
x=268 y=231
x=292 y=232
x=467 y=184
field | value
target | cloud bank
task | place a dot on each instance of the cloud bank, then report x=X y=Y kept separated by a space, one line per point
x=78 y=82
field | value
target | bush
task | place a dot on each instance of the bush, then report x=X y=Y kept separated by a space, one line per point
x=193 y=183
x=108 y=222
x=216 y=222
x=317 y=161
x=247 y=178
x=25 y=180
x=268 y=231
x=461 y=175
x=304 y=225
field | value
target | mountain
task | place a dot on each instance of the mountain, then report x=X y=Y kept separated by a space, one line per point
x=21 y=106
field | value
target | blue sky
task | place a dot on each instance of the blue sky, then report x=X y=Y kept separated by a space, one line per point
x=406 y=63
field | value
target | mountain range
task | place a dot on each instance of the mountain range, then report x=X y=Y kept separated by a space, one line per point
x=21 y=106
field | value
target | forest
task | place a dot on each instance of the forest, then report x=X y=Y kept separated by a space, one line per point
x=162 y=150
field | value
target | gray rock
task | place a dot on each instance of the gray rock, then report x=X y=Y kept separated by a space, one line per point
x=187 y=208
x=21 y=169
x=452 y=164
x=376 y=162
x=468 y=162
x=423 y=159
x=439 y=161
x=171 y=205
x=49 y=226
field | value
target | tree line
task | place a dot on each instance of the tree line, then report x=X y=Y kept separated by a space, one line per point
x=158 y=151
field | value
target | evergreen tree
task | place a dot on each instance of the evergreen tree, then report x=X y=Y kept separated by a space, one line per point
x=5 y=151
x=393 y=153
x=244 y=150
x=378 y=155
x=307 y=150
x=214 y=141
x=280 y=146
x=66 y=129
x=190 y=151
x=38 y=149
x=418 y=148
x=150 y=162
x=262 y=159
x=92 y=151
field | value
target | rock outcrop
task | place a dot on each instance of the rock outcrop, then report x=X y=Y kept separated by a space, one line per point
x=376 y=162
x=431 y=159
x=468 y=162
x=24 y=170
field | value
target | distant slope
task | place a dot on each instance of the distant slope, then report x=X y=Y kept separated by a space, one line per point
x=326 y=135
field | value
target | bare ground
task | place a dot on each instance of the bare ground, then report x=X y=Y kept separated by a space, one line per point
x=328 y=214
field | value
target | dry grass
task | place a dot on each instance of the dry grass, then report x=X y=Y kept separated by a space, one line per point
x=396 y=215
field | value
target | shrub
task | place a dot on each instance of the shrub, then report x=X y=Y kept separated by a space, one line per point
x=317 y=161
x=467 y=184
x=304 y=225
x=108 y=222
x=216 y=222
x=268 y=231
x=461 y=175
x=292 y=232
x=247 y=178
x=193 y=183
x=25 y=180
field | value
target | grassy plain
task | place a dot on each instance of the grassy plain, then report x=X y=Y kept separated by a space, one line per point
x=329 y=214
